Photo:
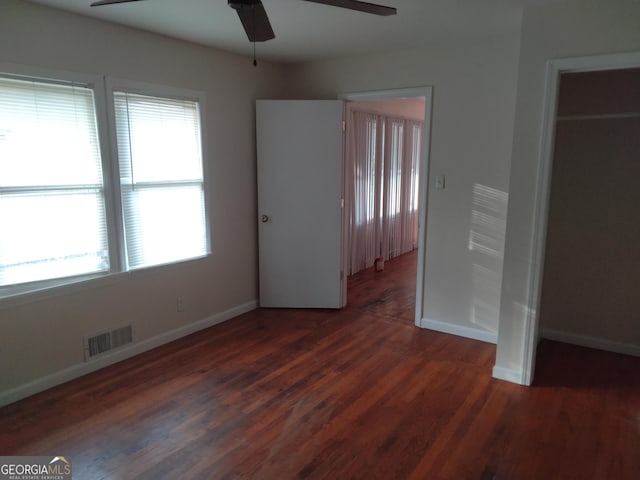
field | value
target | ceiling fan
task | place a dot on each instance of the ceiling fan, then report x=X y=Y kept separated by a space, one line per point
x=256 y=22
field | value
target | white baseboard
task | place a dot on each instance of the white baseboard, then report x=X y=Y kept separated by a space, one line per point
x=509 y=375
x=81 y=369
x=591 y=342
x=459 y=330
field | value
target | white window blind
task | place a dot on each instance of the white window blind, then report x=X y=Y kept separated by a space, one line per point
x=52 y=207
x=161 y=179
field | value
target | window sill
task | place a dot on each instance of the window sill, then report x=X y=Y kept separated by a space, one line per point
x=17 y=295
x=13 y=296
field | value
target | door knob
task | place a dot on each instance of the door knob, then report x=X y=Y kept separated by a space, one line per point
x=264 y=218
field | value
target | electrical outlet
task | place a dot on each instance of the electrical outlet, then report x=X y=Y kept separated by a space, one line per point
x=180 y=304
x=440 y=182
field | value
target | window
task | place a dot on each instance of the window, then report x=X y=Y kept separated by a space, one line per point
x=416 y=149
x=382 y=186
x=161 y=179
x=396 y=156
x=63 y=212
x=52 y=204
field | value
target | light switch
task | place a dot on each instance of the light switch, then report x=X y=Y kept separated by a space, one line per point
x=439 y=182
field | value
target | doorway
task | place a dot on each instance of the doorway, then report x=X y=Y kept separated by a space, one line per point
x=390 y=173
x=555 y=68
x=592 y=263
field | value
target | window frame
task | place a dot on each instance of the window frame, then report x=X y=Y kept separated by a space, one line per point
x=103 y=88
x=113 y=84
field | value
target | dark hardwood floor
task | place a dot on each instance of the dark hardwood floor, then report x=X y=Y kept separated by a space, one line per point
x=354 y=394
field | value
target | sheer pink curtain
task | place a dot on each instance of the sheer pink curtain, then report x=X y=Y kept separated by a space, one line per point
x=383 y=156
x=363 y=194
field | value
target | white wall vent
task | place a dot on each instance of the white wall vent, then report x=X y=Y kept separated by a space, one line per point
x=105 y=342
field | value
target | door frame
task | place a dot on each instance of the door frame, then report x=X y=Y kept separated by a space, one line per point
x=425 y=92
x=555 y=68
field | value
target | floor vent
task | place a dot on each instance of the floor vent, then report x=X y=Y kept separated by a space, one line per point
x=107 y=341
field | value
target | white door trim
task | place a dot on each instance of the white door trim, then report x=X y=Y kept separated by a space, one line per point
x=412 y=92
x=555 y=67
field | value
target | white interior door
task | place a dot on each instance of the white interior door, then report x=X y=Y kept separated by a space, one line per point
x=300 y=185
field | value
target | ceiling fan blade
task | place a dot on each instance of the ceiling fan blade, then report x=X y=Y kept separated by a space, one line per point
x=254 y=20
x=109 y=2
x=359 y=6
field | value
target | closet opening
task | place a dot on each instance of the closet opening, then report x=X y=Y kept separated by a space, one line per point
x=592 y=261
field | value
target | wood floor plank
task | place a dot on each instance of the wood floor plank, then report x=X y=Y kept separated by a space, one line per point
x=359 y=393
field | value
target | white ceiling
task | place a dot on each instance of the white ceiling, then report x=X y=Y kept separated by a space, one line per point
x=310 y=31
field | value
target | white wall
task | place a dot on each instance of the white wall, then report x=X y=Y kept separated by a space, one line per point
x=41 y=337
x=562 y=29
x=474 y=101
